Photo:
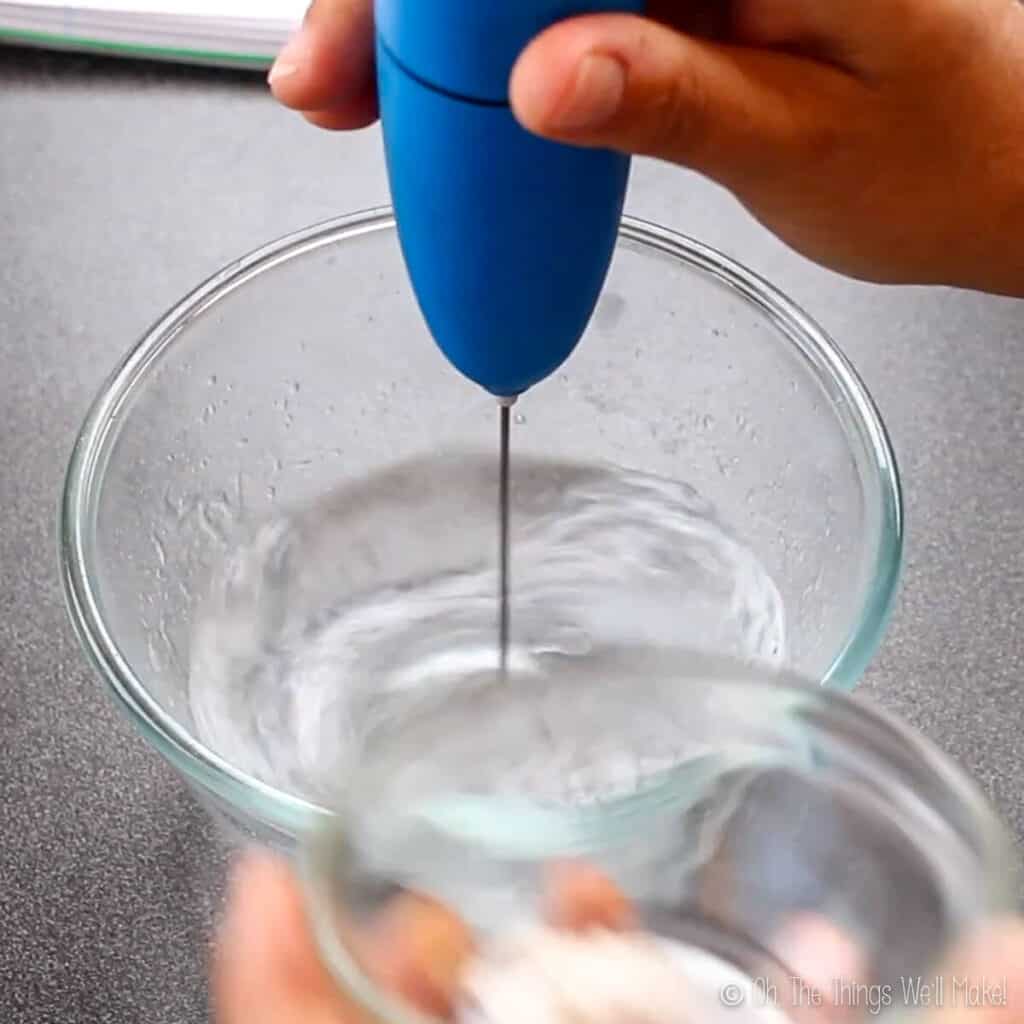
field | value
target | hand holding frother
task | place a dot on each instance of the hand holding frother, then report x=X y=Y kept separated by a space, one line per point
x=883 y=139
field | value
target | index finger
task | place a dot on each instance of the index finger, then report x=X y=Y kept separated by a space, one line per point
x=326 y=70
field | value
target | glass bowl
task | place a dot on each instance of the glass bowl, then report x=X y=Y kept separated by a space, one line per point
x=812 y=851
x=305 y=369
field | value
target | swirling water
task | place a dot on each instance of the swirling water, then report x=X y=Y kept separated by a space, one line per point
x=390 y=582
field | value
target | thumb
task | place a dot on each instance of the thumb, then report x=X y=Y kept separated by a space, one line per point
x=632 y=84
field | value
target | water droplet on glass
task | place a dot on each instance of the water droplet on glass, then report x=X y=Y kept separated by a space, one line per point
x=708 y=421
x=154 y=654
x=161 y=551
x=519 y=418
x=271 y=492
x=213 y=380
x=296 y=387
x=169 y=647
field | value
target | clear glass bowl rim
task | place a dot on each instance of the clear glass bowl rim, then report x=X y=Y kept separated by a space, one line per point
x=85 y=473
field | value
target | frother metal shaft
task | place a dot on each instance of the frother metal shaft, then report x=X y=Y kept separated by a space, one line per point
x=504 y=419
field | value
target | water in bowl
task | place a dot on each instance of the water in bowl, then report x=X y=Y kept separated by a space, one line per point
x=388 y=583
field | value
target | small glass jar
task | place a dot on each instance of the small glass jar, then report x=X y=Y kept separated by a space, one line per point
x=800 y=842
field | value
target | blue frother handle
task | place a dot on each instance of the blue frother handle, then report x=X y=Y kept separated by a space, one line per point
x=468 y=47
x=507 y=237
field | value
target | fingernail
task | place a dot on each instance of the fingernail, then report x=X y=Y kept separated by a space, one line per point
x=290 y=59
x=595 y=96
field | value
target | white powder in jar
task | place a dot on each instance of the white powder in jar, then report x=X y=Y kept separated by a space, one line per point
x=549 y=976
x=545 y=975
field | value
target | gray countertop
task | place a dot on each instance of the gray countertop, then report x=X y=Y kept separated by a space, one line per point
x=121 y=186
